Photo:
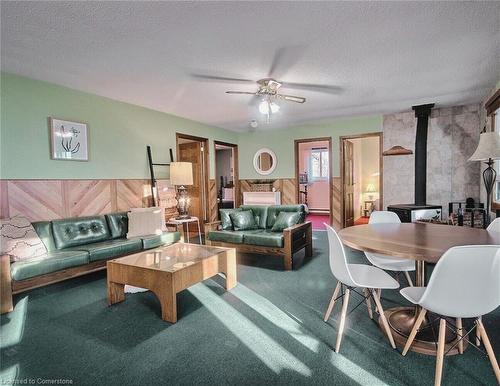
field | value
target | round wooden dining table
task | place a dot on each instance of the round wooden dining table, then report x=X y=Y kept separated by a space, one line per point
x=425 y=243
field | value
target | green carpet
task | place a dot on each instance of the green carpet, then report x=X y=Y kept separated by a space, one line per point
x=267 y=330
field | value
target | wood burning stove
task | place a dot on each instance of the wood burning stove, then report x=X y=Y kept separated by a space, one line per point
x=420 y=210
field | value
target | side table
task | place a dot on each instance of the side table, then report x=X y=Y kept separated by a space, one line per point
x=184 y=223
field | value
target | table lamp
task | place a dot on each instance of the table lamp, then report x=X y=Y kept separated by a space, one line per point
x=370 y=189
x=488 y=150
x=181 y=174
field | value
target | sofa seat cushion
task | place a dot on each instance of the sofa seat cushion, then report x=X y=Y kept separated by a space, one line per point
x=264 y=238
x=72 y=232
x=111 y=248
x=235 y=237
x=52 y=262
x=149 y=242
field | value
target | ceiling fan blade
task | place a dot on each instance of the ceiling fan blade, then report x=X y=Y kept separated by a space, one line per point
x=214 y=78
x=292 y=98
x=335 y=90
x=241 y=92
x=284 y=59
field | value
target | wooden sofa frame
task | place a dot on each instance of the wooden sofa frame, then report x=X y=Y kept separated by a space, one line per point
x=295 y=238
x=10 y=287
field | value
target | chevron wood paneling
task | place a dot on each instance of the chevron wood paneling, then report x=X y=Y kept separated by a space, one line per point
x=132 y=194
x=89 y=197
x=51 y=199
x=36 y=199
x=212 y=200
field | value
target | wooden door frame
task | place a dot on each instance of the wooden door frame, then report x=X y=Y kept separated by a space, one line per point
x=297 y=142
x=206 y=161
x=236 y=171
x=342 y=177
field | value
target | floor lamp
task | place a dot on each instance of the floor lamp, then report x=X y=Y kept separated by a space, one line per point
x=488 y=150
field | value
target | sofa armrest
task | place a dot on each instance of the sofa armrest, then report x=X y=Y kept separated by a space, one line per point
x=304 y=227
x=297 y=237
x=212 y=226
x=5 y=285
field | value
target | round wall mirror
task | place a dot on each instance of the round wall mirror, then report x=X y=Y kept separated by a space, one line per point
x=264 y=161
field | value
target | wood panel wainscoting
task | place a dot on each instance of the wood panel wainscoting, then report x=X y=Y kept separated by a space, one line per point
x=40 y=200
x=287 y=187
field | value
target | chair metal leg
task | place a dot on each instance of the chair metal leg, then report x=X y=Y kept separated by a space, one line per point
x=332 y=301
x=345 y=302
x=459 y=335
x=489 y=349
x=384 y=320
x=407 y=275
x=368 y=302
x=478 y=335
x=414 y=330
x=440 y=352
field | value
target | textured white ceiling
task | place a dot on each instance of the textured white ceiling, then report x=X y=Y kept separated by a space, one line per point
x=385 y=56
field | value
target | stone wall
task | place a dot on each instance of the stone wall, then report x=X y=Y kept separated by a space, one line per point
x=452 y=138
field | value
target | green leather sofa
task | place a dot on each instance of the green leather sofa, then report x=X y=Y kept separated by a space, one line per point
x=262 y=239
x=75 y=246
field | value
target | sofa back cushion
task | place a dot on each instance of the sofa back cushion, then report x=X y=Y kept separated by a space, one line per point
x=44 y=231
x=273 y=212
x=72 y=232
x=118 y=224
x=259 y=214
x=226 y=223
x=243 y=220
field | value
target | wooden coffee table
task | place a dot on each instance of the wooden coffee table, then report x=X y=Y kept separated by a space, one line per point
x=169 y=270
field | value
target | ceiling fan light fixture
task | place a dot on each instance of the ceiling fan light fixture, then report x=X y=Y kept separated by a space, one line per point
x=266 y=107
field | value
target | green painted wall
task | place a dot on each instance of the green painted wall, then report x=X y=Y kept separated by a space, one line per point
x=282 y=143
x=118 y=132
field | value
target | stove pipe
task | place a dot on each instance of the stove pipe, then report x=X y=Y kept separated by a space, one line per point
x=422 y=113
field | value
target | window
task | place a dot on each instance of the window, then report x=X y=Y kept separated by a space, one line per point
x=319 y=163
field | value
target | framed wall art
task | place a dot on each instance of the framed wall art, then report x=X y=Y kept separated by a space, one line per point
x=68 y=140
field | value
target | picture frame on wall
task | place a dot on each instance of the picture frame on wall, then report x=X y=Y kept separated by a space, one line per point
x=68 y=140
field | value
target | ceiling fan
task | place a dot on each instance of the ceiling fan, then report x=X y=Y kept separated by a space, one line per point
x=268 y=90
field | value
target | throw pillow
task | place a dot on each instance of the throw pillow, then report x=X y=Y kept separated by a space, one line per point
x=145 y=222
x=285 y=220
x=20 y=240
x=227 y=224
x=153 y=209
x=243 y=220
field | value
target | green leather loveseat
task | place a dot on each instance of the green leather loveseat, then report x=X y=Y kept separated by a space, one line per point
x=75 y=246
x=265 y=232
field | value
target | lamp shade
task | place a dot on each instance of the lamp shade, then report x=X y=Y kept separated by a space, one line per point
x=181 y=173
x=488 y=147
x=370 y=188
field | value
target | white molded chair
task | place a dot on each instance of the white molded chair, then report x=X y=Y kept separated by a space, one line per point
x=386 y=262
x=349 y=276
x=465 y=284
x=494 y=225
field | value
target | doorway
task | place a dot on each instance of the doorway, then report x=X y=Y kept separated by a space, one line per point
x=313 y=173
x=226 y=175
x=195 y=150
x=361 y=169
